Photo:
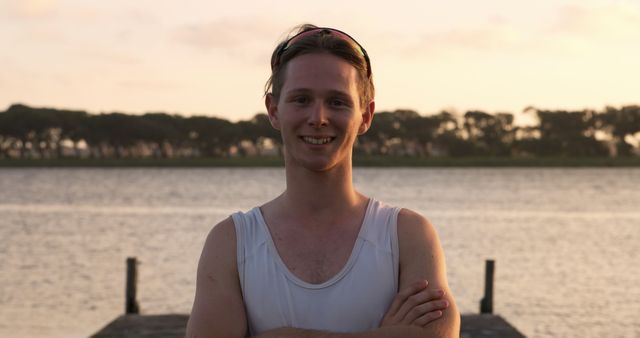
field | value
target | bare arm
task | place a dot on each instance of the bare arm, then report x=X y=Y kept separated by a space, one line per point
x=383 y=332
x=218 y=308
x=421 y=258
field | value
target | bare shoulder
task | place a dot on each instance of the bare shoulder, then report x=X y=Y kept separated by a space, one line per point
x=221 y=242
x=218 y=292
x=218 y=253
x=218 y=261
x=408 y=216
x=415 y=229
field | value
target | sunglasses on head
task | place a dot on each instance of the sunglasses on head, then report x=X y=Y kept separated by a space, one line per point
x=323 y=30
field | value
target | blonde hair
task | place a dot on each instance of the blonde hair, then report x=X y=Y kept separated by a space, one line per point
x=321 y=42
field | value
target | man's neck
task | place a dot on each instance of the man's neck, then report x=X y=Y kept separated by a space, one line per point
x=322 y=194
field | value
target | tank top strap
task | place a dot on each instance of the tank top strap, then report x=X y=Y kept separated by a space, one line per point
x=249 y=236
x=382 y=230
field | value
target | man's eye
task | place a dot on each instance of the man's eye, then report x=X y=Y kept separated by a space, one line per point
x=338 y=103
x=301 y=99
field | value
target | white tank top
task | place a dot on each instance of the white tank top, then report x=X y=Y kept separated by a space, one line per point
x=355 y=299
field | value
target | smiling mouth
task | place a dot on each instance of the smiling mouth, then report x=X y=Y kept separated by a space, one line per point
x=317 y=140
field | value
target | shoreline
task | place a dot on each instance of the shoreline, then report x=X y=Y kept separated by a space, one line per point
x=358 y=161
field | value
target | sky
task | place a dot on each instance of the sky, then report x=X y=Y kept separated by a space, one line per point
x=207 y=57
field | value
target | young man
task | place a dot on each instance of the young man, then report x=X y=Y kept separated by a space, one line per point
x=321 y=259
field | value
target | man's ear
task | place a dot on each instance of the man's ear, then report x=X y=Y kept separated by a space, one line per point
x=272 y=110
x=367 y=117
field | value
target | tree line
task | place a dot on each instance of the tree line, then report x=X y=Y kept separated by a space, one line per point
x=29 y=132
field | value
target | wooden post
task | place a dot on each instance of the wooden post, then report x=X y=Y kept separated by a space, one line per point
x=131 y=305
x=486 y=304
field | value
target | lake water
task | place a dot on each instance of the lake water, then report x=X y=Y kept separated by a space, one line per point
x=565 y=241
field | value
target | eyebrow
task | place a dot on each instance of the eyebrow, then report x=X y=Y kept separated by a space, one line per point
x=307 y=90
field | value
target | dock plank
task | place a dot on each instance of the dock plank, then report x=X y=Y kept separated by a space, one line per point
x=145 y=326
x=487 y=325
x=174 y=326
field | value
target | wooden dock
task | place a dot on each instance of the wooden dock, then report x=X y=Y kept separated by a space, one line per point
x=134 y=325
x=174 y=326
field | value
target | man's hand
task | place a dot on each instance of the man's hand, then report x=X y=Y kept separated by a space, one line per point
x=415 y=305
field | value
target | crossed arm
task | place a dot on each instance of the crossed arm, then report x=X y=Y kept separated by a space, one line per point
x=421 y=309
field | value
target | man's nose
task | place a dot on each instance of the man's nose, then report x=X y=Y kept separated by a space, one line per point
x=318 y=116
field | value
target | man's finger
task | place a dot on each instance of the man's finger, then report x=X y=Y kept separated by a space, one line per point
x=423 y=309
x=405 y=293
x=427 y=318
x=418 y=304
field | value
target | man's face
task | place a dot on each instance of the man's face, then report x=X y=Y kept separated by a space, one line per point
x=318 y=112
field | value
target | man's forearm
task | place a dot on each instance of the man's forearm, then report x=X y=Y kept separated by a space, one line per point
x=383 y=332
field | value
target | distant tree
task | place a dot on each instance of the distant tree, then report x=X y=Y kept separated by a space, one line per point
x=618 y=124
x=491 y=135
x=165 y=132
x=384 y=128
x=449 y=139
x=564 y=133
x=111 y=131
x=7 y=142
x=213 y=137
x=73 y=127
x=264 y=130
x=33 y=127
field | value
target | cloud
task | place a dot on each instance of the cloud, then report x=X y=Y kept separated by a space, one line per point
x=29 y=9
x=574 y=27
x=149 y=85
x=105 y=56
x=75 y=12
x=33 y=8
x=491 y=37
x=613 y=21
x=137 y=16
x=226 y=34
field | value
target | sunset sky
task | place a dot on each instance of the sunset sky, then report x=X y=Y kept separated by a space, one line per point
x=212 y=57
